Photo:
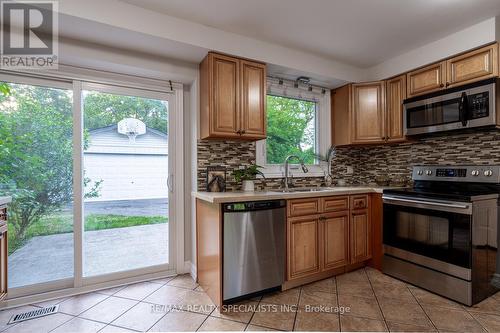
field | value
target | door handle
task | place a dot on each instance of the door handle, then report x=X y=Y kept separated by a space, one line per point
x=170 y=183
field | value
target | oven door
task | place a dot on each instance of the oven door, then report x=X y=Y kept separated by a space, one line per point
x=431 y=233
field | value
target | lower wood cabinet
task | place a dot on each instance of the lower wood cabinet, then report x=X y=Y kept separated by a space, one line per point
x=303 y=246
x=360 y=236
x=335 y=240
x=335 y=234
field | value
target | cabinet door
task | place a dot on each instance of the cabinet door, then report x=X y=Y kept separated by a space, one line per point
x=335 y=239
x=472 y=66
x=303 y=246
x=360 y=232
x=341 y=115
x=368 y=116
x=253 y=100
x=225 y=113
x=426 y=80
x=395 y=94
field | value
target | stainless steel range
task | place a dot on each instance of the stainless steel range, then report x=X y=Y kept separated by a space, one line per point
x=442 y=234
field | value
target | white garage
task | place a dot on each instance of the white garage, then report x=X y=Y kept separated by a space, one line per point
x=128 y=166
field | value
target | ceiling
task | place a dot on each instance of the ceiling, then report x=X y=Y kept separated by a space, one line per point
x=350 y=31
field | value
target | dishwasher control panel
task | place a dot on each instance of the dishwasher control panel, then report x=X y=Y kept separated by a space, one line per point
x=253 y=205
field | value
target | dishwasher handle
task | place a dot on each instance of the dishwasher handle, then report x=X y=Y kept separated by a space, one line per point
x=248 y=206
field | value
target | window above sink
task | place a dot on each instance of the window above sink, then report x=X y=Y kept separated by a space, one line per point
x=297 y=124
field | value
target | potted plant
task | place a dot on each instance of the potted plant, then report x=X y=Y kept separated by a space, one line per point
x=247 y=176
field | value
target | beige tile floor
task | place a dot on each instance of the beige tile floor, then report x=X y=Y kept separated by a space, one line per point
x=371 y=302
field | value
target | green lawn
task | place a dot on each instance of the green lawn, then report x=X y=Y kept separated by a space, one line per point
x=63 y=223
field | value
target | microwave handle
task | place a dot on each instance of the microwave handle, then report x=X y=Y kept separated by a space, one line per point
x=463 y=108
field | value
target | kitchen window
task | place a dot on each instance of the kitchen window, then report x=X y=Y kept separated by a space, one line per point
x=297 y=121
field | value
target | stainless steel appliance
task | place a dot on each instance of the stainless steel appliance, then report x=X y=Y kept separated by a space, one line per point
x=254 y=247
x=472 y=105
x=442 y=234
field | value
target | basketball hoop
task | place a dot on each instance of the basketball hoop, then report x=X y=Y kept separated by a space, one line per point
x=131 y=127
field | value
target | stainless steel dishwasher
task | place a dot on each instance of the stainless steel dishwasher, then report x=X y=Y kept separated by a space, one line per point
x=254 y=247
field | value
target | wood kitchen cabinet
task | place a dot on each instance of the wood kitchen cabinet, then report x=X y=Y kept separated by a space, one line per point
x=303 y=246
x=359 y=114
x=335 y=240
x=368 y=112
x=360 y=229
x=232 y=98
x=427 y=79
x=327 y=234
x=360 y=233
x=472 y=66
x=395 y=95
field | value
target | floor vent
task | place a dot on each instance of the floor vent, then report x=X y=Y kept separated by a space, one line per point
x=33 y=314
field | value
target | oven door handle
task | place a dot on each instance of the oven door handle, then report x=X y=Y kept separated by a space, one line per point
x=430 y=203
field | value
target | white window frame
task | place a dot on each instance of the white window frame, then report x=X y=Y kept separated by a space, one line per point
x=323 y=137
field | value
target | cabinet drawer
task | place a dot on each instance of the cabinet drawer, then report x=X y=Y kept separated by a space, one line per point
x=359 y=201
x=334 y=204
x=301 y=207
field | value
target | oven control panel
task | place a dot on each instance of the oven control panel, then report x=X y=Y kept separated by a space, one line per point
x=468 y=173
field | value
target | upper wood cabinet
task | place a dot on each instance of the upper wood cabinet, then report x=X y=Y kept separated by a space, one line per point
x=465 y=68
x=341 y=115
x=427 y=79
x=368 y=106
x=253 y=99
x=232 y=98
x=395 y=95
x=359 y=114
x=472 y=66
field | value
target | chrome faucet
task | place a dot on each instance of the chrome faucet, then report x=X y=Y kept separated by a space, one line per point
x=332 y=152
x=287 y=160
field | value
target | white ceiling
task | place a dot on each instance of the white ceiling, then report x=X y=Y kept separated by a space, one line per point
x=362 y=33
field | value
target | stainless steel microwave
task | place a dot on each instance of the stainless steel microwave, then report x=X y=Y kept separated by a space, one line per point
x=472 y=105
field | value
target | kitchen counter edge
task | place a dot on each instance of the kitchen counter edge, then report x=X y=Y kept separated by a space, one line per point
x=239 y=196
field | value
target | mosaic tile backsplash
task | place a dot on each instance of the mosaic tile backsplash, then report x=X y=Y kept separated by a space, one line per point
x=367 y=162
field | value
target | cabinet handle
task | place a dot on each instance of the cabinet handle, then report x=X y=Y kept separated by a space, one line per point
x=238 y=132
x=242 y=131
x=441 y=85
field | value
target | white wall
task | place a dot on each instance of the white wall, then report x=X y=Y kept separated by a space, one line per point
x=477 y=35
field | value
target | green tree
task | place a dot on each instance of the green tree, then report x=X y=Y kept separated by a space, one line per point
x=4 y=88
x=36 y=149
x=36 y=145
x=290 y=129
x=103 y=110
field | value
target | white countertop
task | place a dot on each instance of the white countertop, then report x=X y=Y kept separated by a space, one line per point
x=239 y=196
x=5 y=200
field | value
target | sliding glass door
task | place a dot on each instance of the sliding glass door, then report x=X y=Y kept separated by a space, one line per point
x=36 y=122
x=126 y=173
x=87 y=166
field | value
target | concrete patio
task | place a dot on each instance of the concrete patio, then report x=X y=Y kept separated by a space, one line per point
x=49 y=258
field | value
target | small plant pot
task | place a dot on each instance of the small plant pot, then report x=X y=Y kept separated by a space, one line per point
x=248 y=186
